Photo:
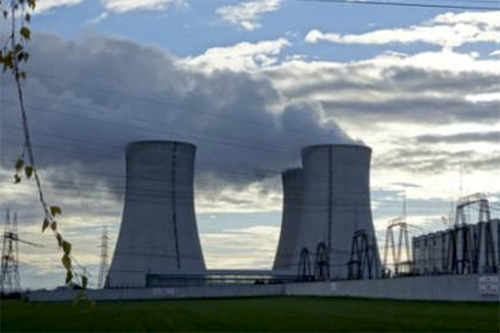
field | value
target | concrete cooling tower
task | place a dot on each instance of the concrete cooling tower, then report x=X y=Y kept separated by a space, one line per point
x=292 y=197
x=158 y=230
x=335 y=205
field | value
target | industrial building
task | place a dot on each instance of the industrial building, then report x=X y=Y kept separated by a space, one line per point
x=467 y=247
x=462 y=249
x=158 y=230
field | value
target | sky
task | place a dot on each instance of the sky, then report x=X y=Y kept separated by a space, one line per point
x=250 y=83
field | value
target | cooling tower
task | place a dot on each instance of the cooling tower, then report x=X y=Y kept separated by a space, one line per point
x=335 y=204
x=158 y=230
x=292 y=196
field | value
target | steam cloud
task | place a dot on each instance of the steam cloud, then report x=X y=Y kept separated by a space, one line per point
x=88 y=99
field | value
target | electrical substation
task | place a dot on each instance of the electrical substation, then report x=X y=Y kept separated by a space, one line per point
x=327 y=245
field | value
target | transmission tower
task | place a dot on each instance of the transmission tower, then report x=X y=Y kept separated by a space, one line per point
x=469 y=200
x=9 y=280
x=399 y=264
x=103 y=269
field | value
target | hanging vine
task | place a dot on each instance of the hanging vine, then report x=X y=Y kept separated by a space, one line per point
x=13 y=56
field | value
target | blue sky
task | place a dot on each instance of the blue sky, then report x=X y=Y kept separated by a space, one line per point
x=420 y=86
x=191 y=28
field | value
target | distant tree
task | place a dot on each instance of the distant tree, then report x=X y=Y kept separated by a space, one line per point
x=16 y=16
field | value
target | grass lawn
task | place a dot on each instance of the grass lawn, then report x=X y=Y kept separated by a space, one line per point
x=303 y=314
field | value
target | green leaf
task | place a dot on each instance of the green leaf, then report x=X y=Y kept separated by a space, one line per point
x=17 y=179
x=32 y=4
x=66 y=261
x=69 y=277
x=53 y=226
x=29 y=171
x=19 y=164
x=66 y=247
x=25 y=32
x=54 y=210
x=59 y=239
x=84 y=282
x=18 y=48
x=45 y=224
x=8 y=61
x=27 y=17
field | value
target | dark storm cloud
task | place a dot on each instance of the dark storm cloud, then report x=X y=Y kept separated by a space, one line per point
x=370 y=93
x=490 y=137
x=435 y=160
x=429 y=153
x=405 y=185
x=88 y=99
x=394 y=80
x=420 y=80
x=418 y=109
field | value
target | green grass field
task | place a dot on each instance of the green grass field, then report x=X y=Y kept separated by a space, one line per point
x=303 y=314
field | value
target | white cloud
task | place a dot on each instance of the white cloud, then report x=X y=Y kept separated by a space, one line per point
x=122 y=6
x=490 y=18
x=240 y=57
x=246 y=248
x=98 y=18
x=242 y=200
x=46 y=5
x=488 y=97
x=116 y=6
x=247 y=14
x=453 y=62
x=447 y=30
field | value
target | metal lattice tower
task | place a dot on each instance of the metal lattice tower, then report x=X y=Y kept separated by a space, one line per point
x=363 y=258
x=304 y=271
x=403 y=242
x=469 y=200
x=103 y=269
x=9 y=280
x=321 y=269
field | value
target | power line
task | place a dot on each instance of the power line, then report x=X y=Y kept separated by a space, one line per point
x=494 y=2
x=95 y=146
x=207 y=110
x=120 y=188
x=220 y=140
x=404 y=4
